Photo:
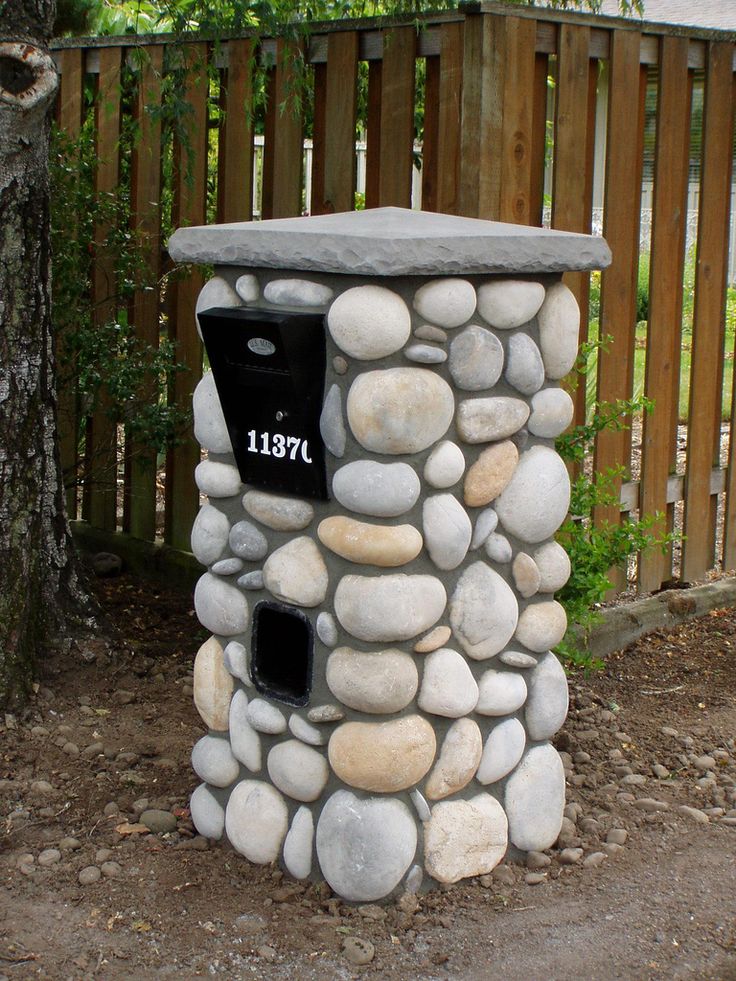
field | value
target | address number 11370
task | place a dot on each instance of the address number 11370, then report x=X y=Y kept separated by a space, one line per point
x=278 y=446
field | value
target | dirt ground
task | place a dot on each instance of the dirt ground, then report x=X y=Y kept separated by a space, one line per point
x=86 y=891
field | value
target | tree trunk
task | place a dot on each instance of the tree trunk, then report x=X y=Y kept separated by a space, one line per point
x=39 y=585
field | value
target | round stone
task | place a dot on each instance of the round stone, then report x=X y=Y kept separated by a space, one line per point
x=210 y=430
x=500 y=692
x=490 y=473
x=217 y=479
x=213 y=685
x=88 y=875
x=247 y=541
x=445 y=465
x=382 y=545
x=297 y=770
x=207 y=813
x=553 y=563
x=382 y=490
x=509 y=303
x=448 y=686
x=213 y=761
x=220 y=607
x=216 y=292
x=327 y=629
x=524 y=367
x=332 y=424
x=535 y=501
x=485 y=525
x=498 y=548
x=487 y=420
x=425 y=354
x=535 y=799
x=382 y=756
x=340 y=365
x=209 y=534
x=546 y=706
x=158 y=821
x=458 y=760
x=296 y=573
x=378 y=682
x=433 y=640
x=303 y=730
x=279 y=513
x=247 y=288
x=447 y=302
x=483 y=612
x=542 y=626
x=447 y=530
x=265 y=717
x=297 y=293
x=465 y=838
x=368 y=322
x=552 y=412
x=476 y=359
x=227 y=567
x=390 y=607
x=298 y=844
x=256 y=821
x=244 y=740
x=525 y=574
x=235 y=659
x=365 y=846
x=559 y=325
x=503 y=749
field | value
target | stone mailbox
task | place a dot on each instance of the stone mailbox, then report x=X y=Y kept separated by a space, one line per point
x=382 y=494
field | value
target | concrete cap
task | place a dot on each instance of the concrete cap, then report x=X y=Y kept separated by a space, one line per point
x=390 y=242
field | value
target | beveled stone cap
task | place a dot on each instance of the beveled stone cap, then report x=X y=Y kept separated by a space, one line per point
x=390 y=242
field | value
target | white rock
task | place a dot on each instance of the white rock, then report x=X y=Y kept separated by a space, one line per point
x=553 y=563
x=299 y=727
x=327 y=629
x=365 y=846
x=216 y=292
x=279 y=513
x=542 y=626
x=465 y=838
x=247 y=541
x=213 y=685
x=414 y=879
x=509 y=303
x=217 y=479
x=552 y=413
x=297 y=293
x=297 y=770
x=296 y=573
x=213 y=761
x=399 y=410
x=487 y=420
x=256 y=821
x=420 y=805
x=331 y=423
x=535 y=799
x=298 y=844
x=390 y=607
x=483 y=612
x=207 y=813
x=378 y=682
x=485 y=525
x=427 y=332
x=447 y=530
x=517 y=659
x=251 y=580
x=559 y=324
x=534 y=503
x=458 y=760
x=445 y=465
x=476 y=359
x=235 y=659
x=220 y=607
x=447 y=302
x=500 y=692
x=265 y=717
x=209 y=534
x=546 y=706
x=247 y=288
x=524 y=367
x=368 y=322
x=448 y=686
x=383 y=490
x=425 y=354
x=210 y=430
x=325 y=713
x=244 y=740
x=498 y=548
x=503 y=749
x=227 y=567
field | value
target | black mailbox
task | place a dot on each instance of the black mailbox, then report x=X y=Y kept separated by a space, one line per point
x=269 y=369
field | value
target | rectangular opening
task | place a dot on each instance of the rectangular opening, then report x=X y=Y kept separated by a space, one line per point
x=282 y=645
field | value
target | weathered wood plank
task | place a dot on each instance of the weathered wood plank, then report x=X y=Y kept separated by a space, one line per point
x=397 y=117
x=449 y=119
x=539 y=139
x=518 y=121
x=373 y=135
x=480 y=102
x=319 y=140
x=430 y=138
x=338 y=193
x=235 y=179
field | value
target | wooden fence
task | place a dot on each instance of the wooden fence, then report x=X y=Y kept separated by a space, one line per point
x=508 y=95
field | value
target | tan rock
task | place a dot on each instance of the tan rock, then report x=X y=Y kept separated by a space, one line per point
x=526 y=575
x=541 y=626
x=382 y=756
x=490 y=473
x=464 y=838
x=213 y=685
x=296 y=573
x=372 y=681
x=458 y=760
x=433 y=640
x=357 y=541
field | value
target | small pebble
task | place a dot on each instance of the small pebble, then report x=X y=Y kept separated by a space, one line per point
x=41 y=787
x=659 y=771
x=704 y=763
x=535 y=878
x=111 y=808
x=504 y=875
x=158 y=821
x=88 y=875
x=70 y=844
x=593 y=860
x=266 y=953
x=570 y=856
x=111 y=870
x=103 y=855
x=650 y=805
x=617 y=836
x=612 y=849
x=537 y=860
x=692 y=812
x=25 y=859
x=71 y=749
x=49 y=856
x=358 y=951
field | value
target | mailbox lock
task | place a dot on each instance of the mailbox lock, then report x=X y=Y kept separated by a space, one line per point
x=280 y=416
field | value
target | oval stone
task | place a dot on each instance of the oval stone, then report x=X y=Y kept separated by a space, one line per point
x=535 y=799
x=364 y=847
x=227 y=567
x=216 y=292
x=331 y=423
x=553 y=563
x=368 y=322
x=217 y=479
x=447 y=302
x=210 y=430
x=427 y=332
x=476 y=359
x=279 y=513
x=305 y=731
x=509 y=303
x=390 y=607
x=265 y=717
x=465 y=838
x=220 y=607
x=425 y=354
x=500 y=693
x=378 y=682
x=256 y=821
x=535 y=501
x=485 y=525
x=524 y=366
x=244 y=740
x=483 y=612
x=433 y=640
x=247 y=541
x=517 y=659
x=296 y=573
x=382 y=756
x=445 y=465
x=208 y=815
x=297 y=293
x=542 y=626
x=448 y=686
x=546 y=706
x=399 y=410
x=382 y=545
x=490 y=473
x=209 y=534
x=382 y=490
x=298 y=771
x=498 y=548
x=213 y=685
x=247 y=288
x=213 y=761
x=552 y=412
x=503 y=749
x=327 y=629
x=458 y=760
x=235 y=659
x=559 y=324
x=526 y=575
x=298 y=844
x=447 y=530
x=487 y=420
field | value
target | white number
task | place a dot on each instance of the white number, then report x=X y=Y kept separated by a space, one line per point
x=293 y=442
x=278 y=445
x=252 y=448
x=264 y=445
x=305 y=450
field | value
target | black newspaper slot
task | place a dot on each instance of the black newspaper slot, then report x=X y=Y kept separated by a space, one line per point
x=269 y=369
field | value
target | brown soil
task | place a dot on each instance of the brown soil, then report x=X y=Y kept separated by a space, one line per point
x=661 y=907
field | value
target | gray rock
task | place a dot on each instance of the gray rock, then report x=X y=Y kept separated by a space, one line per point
x=209 y=534
x=89 y=875
x=483 y=612
x=414 y=879
x=425 y=354
x=447 y=530
x=517 y=659
x=420 y=805
x=509 y=303
x=325 y=713
x=485 y=525
x=358 y=950
x=297 y=293
x=251 y=580
x=465 y=838
x=220 y=607
x=213 y=761
x=247 y=288
x=111 y=870
x=217 y=292
x=247 y=541
x=244 y=740
x=235 y=659
x=277 y=512
x=552 y=412
x=498 y=548
x=445 y=465
x=298 y=771
x=503 y=749
x=298 y=844
x=535 y=798
x=106 y=564
x=428 y=332
x=210 y=429
x=256 y=821
x=368 y=322
x=559 y=324
x=500 y=692
x=158 y=821
x=332 y=424
x=448 y=686
x=377 y=682
x=447 y=302
x=265 y=717
x=553 y=563
x=389 y=607
x=487 y=420
x=227 y=567
x=542 y=626
x=217 y=479
x=327 y=629
x=49 y=857
x=207 y=813
x=476 y=359
x=383 y=490
x=296 y=573
x=546 y=706
x=534 y=503
x=458 y=760
x=524 y=367
x=303 y=730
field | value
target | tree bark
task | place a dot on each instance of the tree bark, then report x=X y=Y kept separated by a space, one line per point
x=39 y=584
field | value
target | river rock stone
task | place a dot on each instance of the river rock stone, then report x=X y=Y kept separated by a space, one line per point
x=458 y=760
x=368 y=322
x=247 y=288
x=220 y=607
x=535 y=501
x=227 y=567
x=487 y=420
x=535 y=799
x=553 y=563
x=447 y=530
x=213 y=685
x=448 y=686
x=425 y=354
x=298 y=771
x=552 y=412
x=517 y=659
x=279 y=513
x=213 y=761
x=503 y=749
x=500 y=692
x=217 y=479
x=303 y=730
x=490 y=473
x=265 y=717
x=483 y=612
x=525 y=574
x=244 y=740
x=382 y=490
x=485 y=525
x=542 y=626
x=546 y=706
x=207 y=813
x=559 y=324
x=216 y=292
x=297 y=293
x=389 y=607
x=298 y=844
x=428 y=332
x=209 y=534
x=498 y=548
x=382 y=756
x=327 y=629
x=235 y=659
x=465 y=838
x=296 y=573
x=524 y=366
x=433 y=640
x=382 y=545
x=256 y=821
x=378 y=682
x=399 y=410
x=210 y=430
x=331 y=423
x=365 y=846
x=447 y=302
x=445 y=465
x=476 y=359
x=247 y=541
x=325 y=713
x=251 y=580
x=509 y=303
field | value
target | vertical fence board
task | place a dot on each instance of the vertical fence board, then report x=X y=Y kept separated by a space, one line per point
x=373 y=134
x=430 y=138
x=319 y=140
x=397 y=117
x=539 y=139
x=283 y=151
x=449 y=118
x=476 y=129
x=518 y=119
x=665 y=290
x=235 y=179
x=341 y=105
